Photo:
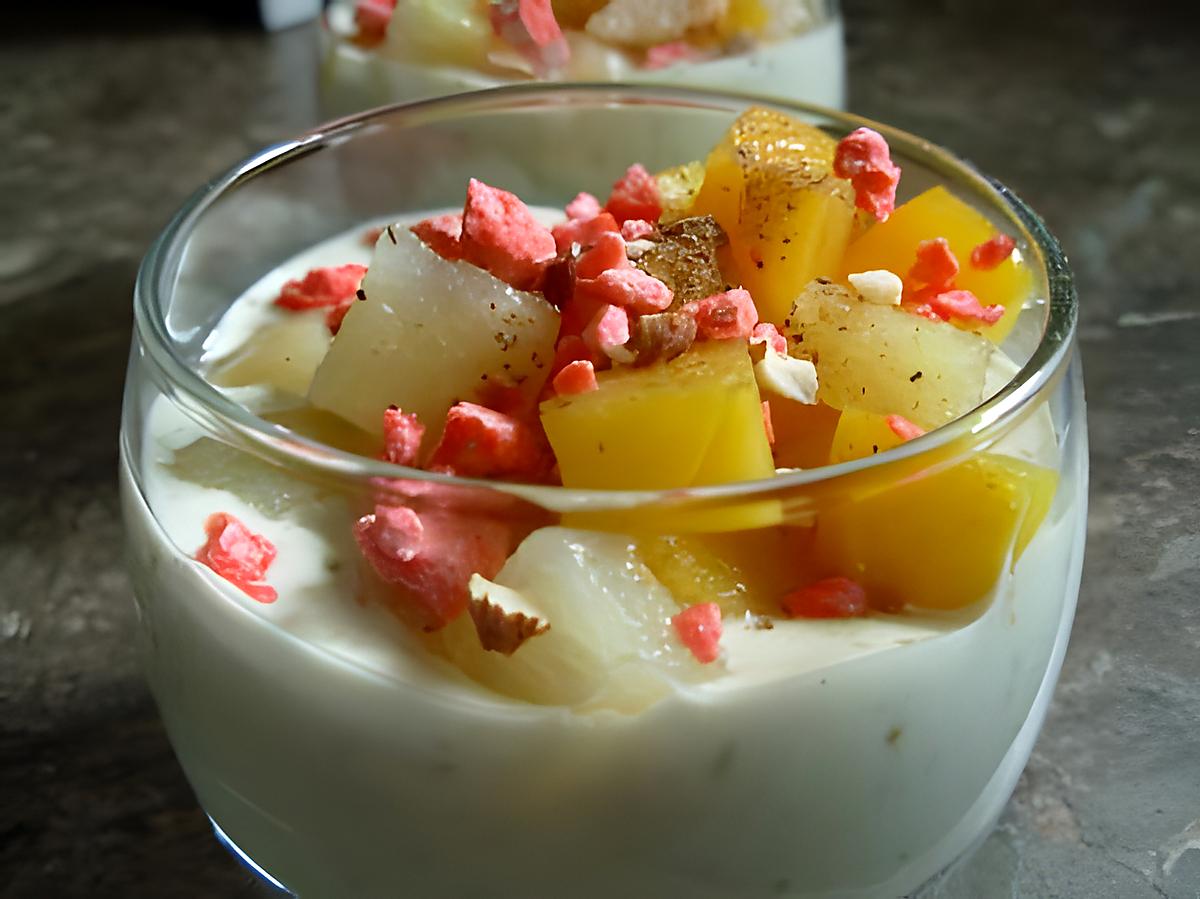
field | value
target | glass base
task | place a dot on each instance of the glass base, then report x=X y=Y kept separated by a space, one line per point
x=260 y=873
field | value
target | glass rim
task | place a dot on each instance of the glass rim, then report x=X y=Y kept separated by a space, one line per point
x=161 y=263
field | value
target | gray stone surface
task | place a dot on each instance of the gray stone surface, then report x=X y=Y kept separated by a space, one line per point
x=1089 y=114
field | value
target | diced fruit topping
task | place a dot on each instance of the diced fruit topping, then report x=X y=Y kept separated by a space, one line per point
x=501 y=623
x=677 y=189
x=684 y=257
x=442 y=234
x=482 y=443
x=442 y=32
x=623 y=350
x=955 y=304
x=614 y=437
x=866 y=355
x=936 y=264
x=903 y=428
x=989 y=254
x=402 y=436
x=608 y=252
x=501 y=235
x=860 y=434
x=881 y=287
x=630 y=288
x=397 y=533
x=571 y=348
x=431 y=572
x=636 y=229
x=939 y=541
x=637 y=23
x=584 y=206
x=529 y=27
x=724 y=316
x=768 y=335
x=608 y=332
x=431 y=332
x=575 y=377
x=284 y=354
x=635 y=196
x=771 y=186
x=935 y=213
x=699 y=629
x=334 y=288
x=864 y=158
x=239 y=555
x=832 y=597
x=371 y=18
x=582 y=231
x=611 y=644
x=791 y=378
x=660 y=337
x=321 y=287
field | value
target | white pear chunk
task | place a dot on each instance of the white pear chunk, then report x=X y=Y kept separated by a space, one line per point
x=885 y=359
x=430 y=333
x=610 y=643
x=283 y=354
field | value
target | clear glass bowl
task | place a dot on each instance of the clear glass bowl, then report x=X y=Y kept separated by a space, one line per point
x=807 y=66
x=337 y=751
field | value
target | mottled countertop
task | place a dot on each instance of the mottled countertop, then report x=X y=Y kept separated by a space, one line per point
x=1091 y=115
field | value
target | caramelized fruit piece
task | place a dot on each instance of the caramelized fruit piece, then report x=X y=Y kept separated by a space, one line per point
x=883 y=359
x=938 y=541
x=770 y=185
x=936 y=213
x=685 y=259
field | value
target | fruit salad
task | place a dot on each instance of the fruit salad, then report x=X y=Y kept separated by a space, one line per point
x=660 y=534
x=652 y=341
x=386 y=50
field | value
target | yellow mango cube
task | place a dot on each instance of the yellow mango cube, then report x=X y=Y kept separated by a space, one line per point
x=892 y=245
x=770 y=184
x=693 y=421
x=743 y=17
x=742 y=572
x=859 y=434
x=937 y=541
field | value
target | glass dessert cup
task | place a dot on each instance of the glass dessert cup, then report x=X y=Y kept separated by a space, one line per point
x=807 y=66
x=344 y=755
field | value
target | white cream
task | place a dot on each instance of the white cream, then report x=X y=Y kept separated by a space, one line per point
x=847 y=758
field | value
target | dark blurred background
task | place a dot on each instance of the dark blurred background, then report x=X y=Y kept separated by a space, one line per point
x=111 y=113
